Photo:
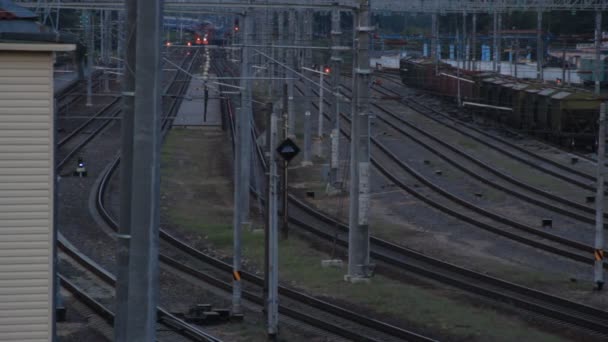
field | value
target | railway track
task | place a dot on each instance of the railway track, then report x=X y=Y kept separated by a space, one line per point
x=470 y=212
x=171 y=328
x=330 y=313
x=568 y=174
x=568 y=312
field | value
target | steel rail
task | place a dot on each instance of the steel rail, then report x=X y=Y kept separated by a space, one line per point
x=489 y=168
x=89 y=301
x=584 y=318
x=575 y=205
x=78 y=129
x=413 y=103
x=164 y=316
x=466 y=218
x=114 y=109
x=204 y=277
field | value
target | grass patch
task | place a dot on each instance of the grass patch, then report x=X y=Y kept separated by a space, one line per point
x=197 y=188
x=300 y=266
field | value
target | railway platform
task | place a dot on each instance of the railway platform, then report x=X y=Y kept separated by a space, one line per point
x=192 y=112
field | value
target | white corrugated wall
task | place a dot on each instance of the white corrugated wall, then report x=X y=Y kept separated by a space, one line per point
x=26 y=196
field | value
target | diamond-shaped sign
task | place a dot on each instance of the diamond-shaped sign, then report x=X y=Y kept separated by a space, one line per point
x=288 y=149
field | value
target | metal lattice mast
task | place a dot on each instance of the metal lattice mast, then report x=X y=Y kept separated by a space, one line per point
x=358 y=236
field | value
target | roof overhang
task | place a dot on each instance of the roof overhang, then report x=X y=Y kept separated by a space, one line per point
x=36 y=46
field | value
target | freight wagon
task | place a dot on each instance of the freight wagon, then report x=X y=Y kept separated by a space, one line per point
x=564 y=115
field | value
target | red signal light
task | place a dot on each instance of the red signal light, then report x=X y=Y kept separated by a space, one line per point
x=189 y=44
x=327 y=70
x=168 y=44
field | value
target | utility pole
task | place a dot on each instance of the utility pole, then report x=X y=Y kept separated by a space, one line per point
x=273 y=231
x=598 y=40
x=516 y=55
x=458 y=58
x=107 y=46
x=291 y=117
x=358 y=236
x=271 y=40
x=126 y=170
x=474 y=43
x=434 y=38
x=464 y=40
x=539 y=45
x=145 y=175
x=499 y=43
x=242 y=166
x=246 y=106
x=598 y=274
x=281 y=51
x=121 y=40
x=495 y=43
x=90 y=49
x=321 y=105
x=307 y=60
x=336 y=70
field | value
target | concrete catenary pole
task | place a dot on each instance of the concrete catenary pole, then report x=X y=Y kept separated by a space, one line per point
x=358 y=236
x=598 y=42
x=273 y=230
x=321 y=105
x=336 y=70
x=307 y=60
x=242 y=164
x=474 y=43
x=434 y=37
x=121 y=40
x=458 y=58
x=291 y=116
x=145 y=175
x=126 y=169
x=539 y=46
x=281 y=50
x=598 y=274
x=495 y=42
x=499 y=48
x=107 y=45
x=90 y=51
x=464 y=40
